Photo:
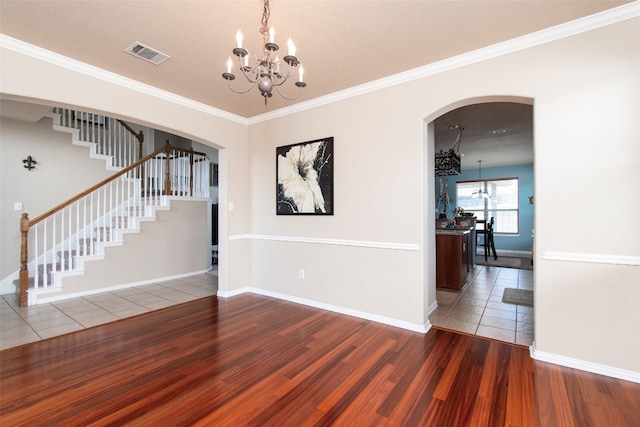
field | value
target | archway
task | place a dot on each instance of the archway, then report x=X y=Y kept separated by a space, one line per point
x=486 y=314
x=28 y=109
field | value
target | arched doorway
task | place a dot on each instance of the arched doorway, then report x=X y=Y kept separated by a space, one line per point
x=499 y=131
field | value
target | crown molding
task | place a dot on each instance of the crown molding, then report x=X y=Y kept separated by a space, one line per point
x=41 y=54
x=601 y=19
x=591 y=22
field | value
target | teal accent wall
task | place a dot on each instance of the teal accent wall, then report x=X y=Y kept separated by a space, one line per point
x=524 y=240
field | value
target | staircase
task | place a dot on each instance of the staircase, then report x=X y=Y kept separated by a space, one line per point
x=58 y=243
x=107 y=138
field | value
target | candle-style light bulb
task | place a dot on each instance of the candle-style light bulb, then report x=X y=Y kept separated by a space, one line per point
x=246 y=60
x=292 y=47
x=229 y=65
x=272 y=35
x=239 y=39
x=301 y=73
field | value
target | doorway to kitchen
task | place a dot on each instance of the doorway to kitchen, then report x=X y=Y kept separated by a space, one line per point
x=499 y=132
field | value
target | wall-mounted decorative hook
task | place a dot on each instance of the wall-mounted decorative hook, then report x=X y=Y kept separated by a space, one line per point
x=29 y=163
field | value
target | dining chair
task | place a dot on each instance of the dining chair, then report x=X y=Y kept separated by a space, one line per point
x=487 y=240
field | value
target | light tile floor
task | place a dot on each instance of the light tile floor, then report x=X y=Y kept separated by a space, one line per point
x=478 y=309
x=22 y=325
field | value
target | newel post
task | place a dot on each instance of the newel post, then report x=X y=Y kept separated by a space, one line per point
x=24 y=256
x=167 y=174
x=140 y=137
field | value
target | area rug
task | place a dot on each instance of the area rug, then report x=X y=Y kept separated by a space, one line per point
x=518 y=297
x=507 y=262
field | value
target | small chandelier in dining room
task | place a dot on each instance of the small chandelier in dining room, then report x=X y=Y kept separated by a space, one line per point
x=480 y=193
x=267 y=69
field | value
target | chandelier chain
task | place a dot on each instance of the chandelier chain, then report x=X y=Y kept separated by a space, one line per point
x=456 y=144
x=264 y=30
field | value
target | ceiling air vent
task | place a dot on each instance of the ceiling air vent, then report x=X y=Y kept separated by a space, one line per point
x=147 y=53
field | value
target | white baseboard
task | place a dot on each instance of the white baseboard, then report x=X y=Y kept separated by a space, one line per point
x=433 y=307
x=235 y=292
x=507 y=253
x=6 y=284
x=42 y=299
x=415 y=327
x=582 y=365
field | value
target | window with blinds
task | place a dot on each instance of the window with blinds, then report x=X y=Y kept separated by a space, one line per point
x=502 y=204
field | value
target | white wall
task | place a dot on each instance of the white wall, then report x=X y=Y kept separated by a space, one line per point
x=41 y=188
x=585 y=92
x=171 y=246
x=586 y=104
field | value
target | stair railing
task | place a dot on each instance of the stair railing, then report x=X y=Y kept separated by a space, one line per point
x=84 y=224
x=112 y=137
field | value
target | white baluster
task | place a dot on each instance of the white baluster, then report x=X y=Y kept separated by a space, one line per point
x=44 y=253
x=36 y=253
x=69 y=244
x=62 y=266
x=85 y=248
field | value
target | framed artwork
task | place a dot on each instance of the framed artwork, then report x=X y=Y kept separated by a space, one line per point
x=304 y=178
x=90 y=118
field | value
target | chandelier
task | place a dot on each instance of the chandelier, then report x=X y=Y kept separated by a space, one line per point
x=267 y=70
x=480 y=193
x=448 y=162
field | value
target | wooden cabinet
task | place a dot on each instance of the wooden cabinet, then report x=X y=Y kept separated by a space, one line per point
x=452 y=259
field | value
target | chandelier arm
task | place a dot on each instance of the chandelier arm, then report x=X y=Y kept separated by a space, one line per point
x=286 y=97
x=253 y=78
x=240 y=91
x=282 y=79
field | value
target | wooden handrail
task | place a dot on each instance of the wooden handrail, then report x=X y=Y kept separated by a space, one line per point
x=139 y=135
x=167 y=148
x=186 y=151
x=93 y=188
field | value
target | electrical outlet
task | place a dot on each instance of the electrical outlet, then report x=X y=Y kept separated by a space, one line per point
x=301 y=274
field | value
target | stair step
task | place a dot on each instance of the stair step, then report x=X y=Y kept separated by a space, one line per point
x=103 y=233
x=119 y=222
x=87 y=241
x=137 y=210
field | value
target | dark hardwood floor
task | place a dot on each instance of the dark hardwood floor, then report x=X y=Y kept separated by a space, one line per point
x=253 y=360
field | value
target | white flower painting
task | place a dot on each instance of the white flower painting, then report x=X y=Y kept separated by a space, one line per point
x=305 y=178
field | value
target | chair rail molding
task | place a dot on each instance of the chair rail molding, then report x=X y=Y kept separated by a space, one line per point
x=324 y=241
x=591 y=258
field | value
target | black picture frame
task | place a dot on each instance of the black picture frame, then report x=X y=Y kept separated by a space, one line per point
x=304 y=178
x=90 y=118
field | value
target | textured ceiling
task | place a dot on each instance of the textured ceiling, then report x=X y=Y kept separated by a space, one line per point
x=341 y=43
x=498 y=133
